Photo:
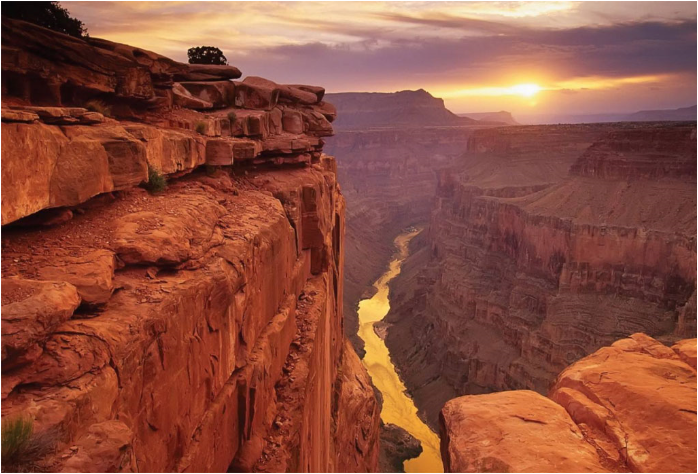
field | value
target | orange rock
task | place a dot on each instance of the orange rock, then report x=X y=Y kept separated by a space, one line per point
x=636 y=400
x=92 y=274
x=31 y=311
x=686 y=350
x=517 y=431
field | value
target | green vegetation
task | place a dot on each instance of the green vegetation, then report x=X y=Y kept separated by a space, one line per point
x=99 y=107
x=22 y=450
x=232 y=117
x=47 y=14
x=206 y=55
x=200 y=128
x=157 y=182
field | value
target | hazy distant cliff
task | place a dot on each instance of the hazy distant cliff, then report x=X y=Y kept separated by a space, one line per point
x=363 y=110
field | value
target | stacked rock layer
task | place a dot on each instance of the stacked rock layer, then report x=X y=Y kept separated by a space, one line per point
x=199 y=328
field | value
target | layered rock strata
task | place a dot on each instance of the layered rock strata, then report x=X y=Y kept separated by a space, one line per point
x=388 y=177
x=195 y=329
x=630 y=407
x=523 y=270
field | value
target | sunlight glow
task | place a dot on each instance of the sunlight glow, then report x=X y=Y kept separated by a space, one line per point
x=526 y=90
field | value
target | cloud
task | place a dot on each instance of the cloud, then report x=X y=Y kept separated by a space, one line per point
x=374 y=46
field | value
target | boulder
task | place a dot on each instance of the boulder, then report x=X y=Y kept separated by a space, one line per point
x=218 y=93
x=219 y=152
x=256 y=93
x=637 y=401
x=169 y=151
x=207 y=72
x=517 y=431
x=183 y=98
x=296 y=95
x=686 y=350
x=31 y=311
x=292 y=121
x=317 y=90
x=9 y=115
x=326 y=109
x=92 y=274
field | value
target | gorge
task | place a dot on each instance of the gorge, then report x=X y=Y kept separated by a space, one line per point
x=205 y=273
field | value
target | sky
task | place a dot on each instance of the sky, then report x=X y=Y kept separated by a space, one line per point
x=524 y=57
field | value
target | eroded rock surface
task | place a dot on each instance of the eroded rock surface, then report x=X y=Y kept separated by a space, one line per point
x=527 y=267
x=197 y=328
x=629 y=407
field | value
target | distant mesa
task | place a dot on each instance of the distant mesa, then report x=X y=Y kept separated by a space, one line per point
x=681 y=114
x=392 y=109
x=492 y=117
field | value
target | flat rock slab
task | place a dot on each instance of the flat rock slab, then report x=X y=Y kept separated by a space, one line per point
x=517 y=431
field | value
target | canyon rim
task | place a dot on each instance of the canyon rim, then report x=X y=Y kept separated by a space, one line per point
x=349 y=237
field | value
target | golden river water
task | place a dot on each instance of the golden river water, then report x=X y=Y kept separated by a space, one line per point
x=398 y=407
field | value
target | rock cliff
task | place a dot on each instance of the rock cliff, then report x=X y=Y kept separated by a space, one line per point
x=630 y=407
x=526 y=267
x=194 y=328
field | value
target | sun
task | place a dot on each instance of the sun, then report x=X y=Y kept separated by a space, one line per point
x=526 y=90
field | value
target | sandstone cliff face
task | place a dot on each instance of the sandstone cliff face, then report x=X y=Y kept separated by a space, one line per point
x=197 y=329
x=519 y=276
x=629 y=407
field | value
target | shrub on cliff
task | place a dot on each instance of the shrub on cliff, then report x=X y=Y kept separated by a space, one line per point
x=157 y=182
x=47 y=14
x=200 y=128
x=206 y=55
x=22 y=449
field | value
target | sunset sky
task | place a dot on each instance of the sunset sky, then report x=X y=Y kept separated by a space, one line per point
x=528 y=58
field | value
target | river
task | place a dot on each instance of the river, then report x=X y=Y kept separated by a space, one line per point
x=398 y=407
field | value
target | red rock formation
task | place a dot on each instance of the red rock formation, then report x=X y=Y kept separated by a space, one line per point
x=196 y=329
x=521 y=276
x=629 y=407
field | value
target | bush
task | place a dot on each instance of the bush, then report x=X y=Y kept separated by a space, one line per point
x=232 y=117
x=47 y=14
x=157 y=182
x=206 y=55
x=200 y=128
x=99 y=107
x=22 y=450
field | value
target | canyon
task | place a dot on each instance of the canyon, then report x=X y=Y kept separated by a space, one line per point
x=542 y=245
x=533 y=259
x=195 y=327
x=192 y=282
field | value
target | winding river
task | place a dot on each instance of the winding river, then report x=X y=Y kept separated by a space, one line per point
x=398 y=407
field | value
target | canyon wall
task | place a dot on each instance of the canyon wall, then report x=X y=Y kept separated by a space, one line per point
x=630 y=407
x=545 y=244
x=195 y=327
x=388 y=162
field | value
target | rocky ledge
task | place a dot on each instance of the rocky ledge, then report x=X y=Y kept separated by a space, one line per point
x=630 y=407
x=195 y=327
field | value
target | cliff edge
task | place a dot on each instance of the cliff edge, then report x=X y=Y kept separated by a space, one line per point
x=190 y=327
x=630 y=407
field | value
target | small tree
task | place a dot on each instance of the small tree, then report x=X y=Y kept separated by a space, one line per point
x=47 y=14
x=206 y=55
